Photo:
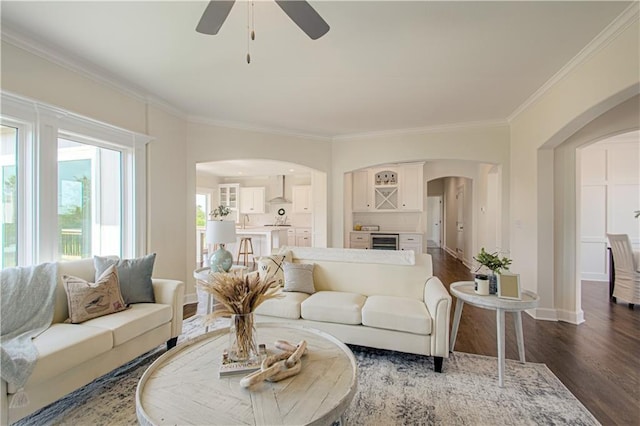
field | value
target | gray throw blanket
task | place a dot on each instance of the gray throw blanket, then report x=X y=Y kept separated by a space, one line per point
x=28 y=295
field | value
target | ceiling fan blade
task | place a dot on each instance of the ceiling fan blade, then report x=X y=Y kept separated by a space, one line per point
x=305 y=17
x=214 y=16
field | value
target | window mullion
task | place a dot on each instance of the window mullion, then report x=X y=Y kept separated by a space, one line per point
x=46 y=206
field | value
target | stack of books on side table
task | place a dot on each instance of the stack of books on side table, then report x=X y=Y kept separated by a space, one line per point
x=230 y=368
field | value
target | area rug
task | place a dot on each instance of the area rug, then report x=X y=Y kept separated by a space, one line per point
x=393 y=389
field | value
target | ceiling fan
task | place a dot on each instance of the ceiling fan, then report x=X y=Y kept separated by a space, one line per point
x=299 y=11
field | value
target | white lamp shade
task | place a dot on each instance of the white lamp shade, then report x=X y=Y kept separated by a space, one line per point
x=221 y=231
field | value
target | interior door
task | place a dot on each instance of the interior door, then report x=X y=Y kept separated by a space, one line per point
x=434 y=217
x=460 y=222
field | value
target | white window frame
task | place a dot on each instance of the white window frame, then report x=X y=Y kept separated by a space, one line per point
x=38 y=166
x=25 y=174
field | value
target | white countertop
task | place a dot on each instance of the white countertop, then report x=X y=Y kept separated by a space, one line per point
x=260 y=230
x=387 y=232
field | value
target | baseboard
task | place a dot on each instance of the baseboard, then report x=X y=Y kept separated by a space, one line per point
x=571 y=317
x=190 y=298
x=592 y=276
x=451 y=252
x=545 y=314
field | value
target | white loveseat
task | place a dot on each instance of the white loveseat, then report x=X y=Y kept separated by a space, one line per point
x=72 y=355
x=370 y=298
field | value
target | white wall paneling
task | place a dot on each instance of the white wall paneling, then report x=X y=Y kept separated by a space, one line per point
x=610 y=193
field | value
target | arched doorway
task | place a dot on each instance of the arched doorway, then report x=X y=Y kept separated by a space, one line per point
x=558 y=197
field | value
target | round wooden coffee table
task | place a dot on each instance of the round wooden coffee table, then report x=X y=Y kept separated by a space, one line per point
x=183 y=387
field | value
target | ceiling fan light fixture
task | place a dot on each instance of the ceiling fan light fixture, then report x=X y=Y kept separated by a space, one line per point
x=299 y=11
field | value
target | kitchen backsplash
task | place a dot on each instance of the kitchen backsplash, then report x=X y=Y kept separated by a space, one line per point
x=300 y=220
x=405 y=222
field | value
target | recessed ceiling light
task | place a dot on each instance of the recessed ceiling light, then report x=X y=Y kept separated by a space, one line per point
x=292 y=170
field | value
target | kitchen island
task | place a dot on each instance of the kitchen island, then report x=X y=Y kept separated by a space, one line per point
x=265 y=239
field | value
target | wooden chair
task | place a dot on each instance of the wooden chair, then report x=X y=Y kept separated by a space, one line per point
x=626 y=285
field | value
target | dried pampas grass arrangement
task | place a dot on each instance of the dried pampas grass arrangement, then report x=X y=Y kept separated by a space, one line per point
x=236 y=297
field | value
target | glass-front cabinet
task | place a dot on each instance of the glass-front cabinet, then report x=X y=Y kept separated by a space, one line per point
x=385 y=190
x=228 y=195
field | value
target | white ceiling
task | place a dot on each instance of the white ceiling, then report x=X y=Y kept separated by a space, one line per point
x=250 y=168
x=383 y=65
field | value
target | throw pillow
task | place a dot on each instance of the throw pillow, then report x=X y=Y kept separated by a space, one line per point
x=271 y=267
x=91 y=300
x=299 y=277
x=134 y=275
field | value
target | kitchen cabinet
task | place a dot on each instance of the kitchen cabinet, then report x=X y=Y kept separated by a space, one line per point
x=411 y=242
x=361 y=189
x=299 y=237
x=359 y=240
x=302 y=199
x=385 y=189
x=391 y=188
x=411 y=187
x=228 y=194
x=252 y=200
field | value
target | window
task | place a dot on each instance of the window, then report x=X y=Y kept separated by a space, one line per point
x=8 y=161
x=202 y=209
x=89 y=200
x=72 y=187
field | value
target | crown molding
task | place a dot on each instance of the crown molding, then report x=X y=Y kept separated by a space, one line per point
x=604 y=38
x=79 y=65
x=254 y=128
x=428 y=129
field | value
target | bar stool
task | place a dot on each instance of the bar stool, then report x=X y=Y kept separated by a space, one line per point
x=245 y=248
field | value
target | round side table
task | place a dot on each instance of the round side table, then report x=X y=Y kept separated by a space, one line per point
x=465 y=293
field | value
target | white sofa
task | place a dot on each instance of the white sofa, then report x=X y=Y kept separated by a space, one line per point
x=365 y=302
x=72 y=355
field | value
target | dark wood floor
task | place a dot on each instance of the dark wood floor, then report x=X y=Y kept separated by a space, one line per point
x=598 y=361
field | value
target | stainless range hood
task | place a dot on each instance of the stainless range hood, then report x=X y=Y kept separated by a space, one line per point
x=280 y=199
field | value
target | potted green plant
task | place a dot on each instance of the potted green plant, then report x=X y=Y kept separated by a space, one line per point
x=494 y=263
x=220 y=211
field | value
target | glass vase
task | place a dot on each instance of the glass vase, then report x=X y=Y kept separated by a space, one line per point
x=242 y=338
x=493 y=283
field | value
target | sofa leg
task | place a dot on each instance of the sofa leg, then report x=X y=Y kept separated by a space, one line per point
x=437 y=364
x=172 y=342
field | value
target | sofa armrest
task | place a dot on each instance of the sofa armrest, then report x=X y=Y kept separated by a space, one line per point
x=4 y=403
x=171 y=292
x=438 y=301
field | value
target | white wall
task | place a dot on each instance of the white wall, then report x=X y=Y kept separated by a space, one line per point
x=604 y=79
x=32 y=76
x=610 y=193
x=167 y=224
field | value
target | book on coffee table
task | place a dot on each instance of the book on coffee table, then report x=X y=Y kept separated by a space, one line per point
x=229 y=367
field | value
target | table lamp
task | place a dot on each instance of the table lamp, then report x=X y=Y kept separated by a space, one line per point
x=221 y=232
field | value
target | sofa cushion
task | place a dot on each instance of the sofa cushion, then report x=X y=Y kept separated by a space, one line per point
x=396 y=313
x=272 y=267
x=64 y=346
x=333 y=306
x=90 y=300
x=133 y=322
x=134 y=275
x=287 y=306
x=299 y=277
